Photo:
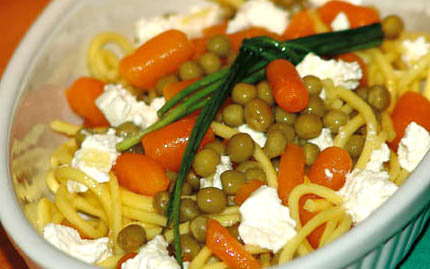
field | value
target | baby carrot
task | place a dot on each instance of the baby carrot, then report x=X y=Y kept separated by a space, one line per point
x=140 y=174
x=288 y=88
x=291 y=170
x=411 y=106
x=156 y=58
x=300 y=26
x=357 y=15
x=81 y=97
x=330 y=168
x=246 y=190
x=167 y=145
x=227 y=248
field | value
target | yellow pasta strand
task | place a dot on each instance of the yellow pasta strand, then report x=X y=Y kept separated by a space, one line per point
x=330 y=227
x=372 y=125
x=201 y=258
x=184 y=228
x=343 y=227
x=290 y=248
x=65 y=173
x=394 y=166
x=73 y=217
x=143 y=216
x=116 y=216
x=346 y=131
x=104 y=64
x=65 y=128
x=135 y=200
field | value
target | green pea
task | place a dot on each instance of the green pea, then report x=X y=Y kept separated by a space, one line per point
x=219 y=44
x=210 y=62
x=190 y=70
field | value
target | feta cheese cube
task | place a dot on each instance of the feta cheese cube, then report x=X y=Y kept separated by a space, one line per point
x=215 y=179
x=324 y=140
x=378 y=157
x=68 y=240
x=119 y=106
x=265 y=222
x=258 y=137
x=153 y=255
x=340 y=23
x=345 y=74
x=413 y=146
x=95 y=158
x=259 y=13
x=198 y=18
x=365 y=190
x=414 y=49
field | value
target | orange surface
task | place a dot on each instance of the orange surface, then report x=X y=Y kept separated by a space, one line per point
x=15 y=18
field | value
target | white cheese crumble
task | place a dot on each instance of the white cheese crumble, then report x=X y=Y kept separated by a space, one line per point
x=68 y=240
x=198 y=18
x=328 y=173
x=258 y=137
x=153 y=255
x=340 y=23
x=345 y=74
x=413 y=146
x=319 y=3
x=265 y=222
x=324 y=140
x=119 y=106
x=95 y=158
x=215 y=179
x=259 y=13
x=365 y=190
x=414 y=49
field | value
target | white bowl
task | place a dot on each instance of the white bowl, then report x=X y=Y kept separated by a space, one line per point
x=53 y=54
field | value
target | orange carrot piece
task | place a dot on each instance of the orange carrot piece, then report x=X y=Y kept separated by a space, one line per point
x=411 y=106
x=357 y=15
x=199 y=47
x=227 y=248
x=352 y=57
x=305 y=216
x=167 y=145
x=300 y=26
x=81 y=97
x=126 y=257
x=288 y=88
x=237 y=38
x=158 y=57
x=330 y=168
x=172 y=89
x=291 y=170
x=140 y=174
x=219 y=29
x=246 y=190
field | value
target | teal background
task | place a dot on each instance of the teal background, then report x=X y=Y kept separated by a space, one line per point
x=419 y=256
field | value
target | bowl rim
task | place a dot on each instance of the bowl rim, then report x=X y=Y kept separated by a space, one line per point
x=398 y=210
x=18 y=228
